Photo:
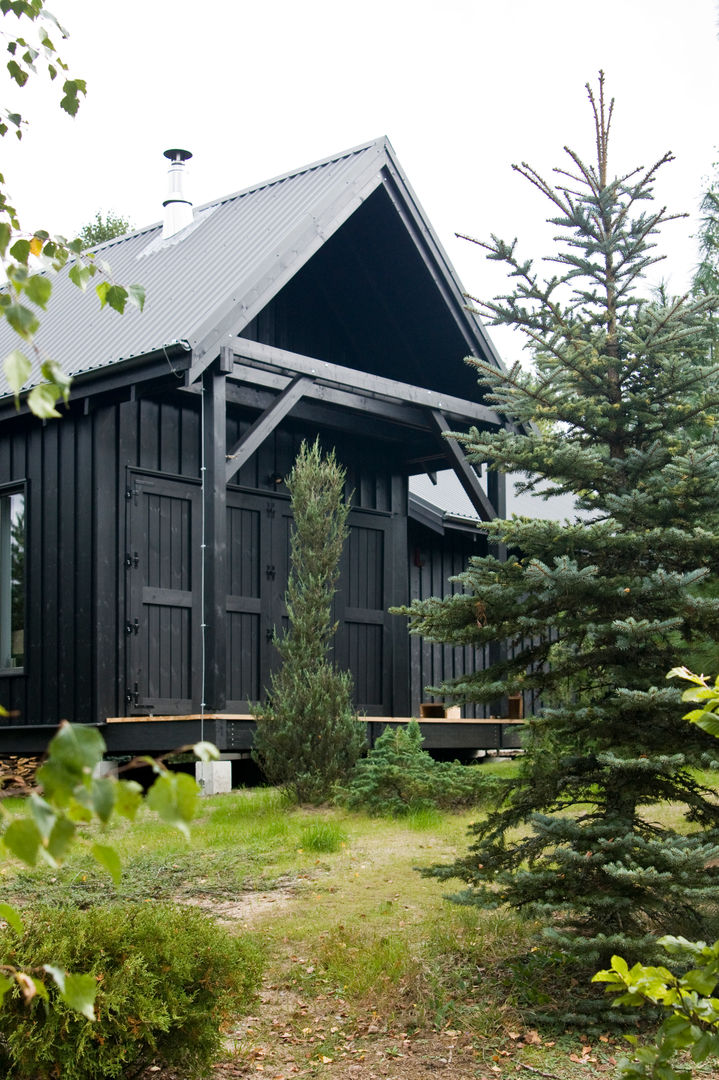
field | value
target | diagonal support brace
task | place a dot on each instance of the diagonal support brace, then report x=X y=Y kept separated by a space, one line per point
x=465 y=473
x=265 y=424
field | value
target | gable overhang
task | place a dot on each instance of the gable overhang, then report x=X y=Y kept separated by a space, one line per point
x=375 y=167
x=238 y=309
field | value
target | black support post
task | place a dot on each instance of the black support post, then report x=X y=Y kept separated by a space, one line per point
x=497 y=491
x=214 y=415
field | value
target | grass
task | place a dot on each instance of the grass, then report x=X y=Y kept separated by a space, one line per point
x=352 y=930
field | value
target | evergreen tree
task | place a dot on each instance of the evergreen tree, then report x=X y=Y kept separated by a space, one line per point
x=308 y=736
x=594 y=609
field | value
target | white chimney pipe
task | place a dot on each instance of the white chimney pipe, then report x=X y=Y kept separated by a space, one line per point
x=178 y=208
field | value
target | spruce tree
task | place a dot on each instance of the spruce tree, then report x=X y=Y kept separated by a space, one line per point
x=594 y=610
x=307 y=735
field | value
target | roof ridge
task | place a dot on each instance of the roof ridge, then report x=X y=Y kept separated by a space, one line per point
x=382 y=141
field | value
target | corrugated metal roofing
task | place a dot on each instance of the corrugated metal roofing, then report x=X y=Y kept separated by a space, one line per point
x=206 y=283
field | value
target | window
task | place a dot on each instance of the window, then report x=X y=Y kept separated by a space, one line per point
x=12 y=580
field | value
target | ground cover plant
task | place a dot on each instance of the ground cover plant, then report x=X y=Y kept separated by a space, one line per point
x=370 y=972
x=597 y=609
x=398 y=777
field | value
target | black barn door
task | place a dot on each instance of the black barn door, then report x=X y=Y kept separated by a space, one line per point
x=363 y=642
x=163 y=600
x=258 y=561
x=258 y=543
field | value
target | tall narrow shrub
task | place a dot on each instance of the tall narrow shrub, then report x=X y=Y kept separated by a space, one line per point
x=308 y=735
x=597 y=609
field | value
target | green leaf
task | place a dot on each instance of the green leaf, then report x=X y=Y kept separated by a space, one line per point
x=17 y=370
x=23 y=321
x=206 y=751
x=11 y=917
x=707 y=1044
x=707 y=721
x=116 y=297
x=5 y=985
x=42 y=399
x=5 y=237
x=73 y=753
x=61 y=837
x=43 y=815
x=173 y=797
x=38 y=289
x=108 y=858
x=17 y=73
x=23 y=839
x=80 y=275
x=103 y=797
x=128 y=798
x=136 y=295
x=20 y=251
x=703 y=982
x=70 y=101
x=77 y=991
x=78 y=745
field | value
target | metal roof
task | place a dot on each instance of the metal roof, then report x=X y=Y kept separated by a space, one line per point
x=204 y=284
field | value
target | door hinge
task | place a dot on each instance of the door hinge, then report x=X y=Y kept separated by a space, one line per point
x=132 y=627
x=270 y=509
x=132 y=697
x=132 y=561
x=270 y=572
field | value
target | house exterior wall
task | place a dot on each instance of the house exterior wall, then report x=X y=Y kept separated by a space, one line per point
x=86 y=479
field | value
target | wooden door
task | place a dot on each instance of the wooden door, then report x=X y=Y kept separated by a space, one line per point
x=258 y=543
x=257 y=560
x=363 y=642
x=163 y=601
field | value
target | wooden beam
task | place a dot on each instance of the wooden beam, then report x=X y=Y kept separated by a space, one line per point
x=465 y=473
x=395 y=412
x=264 y=426
x=214 y=415
x=350 y=379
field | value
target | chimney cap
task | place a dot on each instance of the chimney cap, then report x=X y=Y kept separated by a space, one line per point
x=178 y=155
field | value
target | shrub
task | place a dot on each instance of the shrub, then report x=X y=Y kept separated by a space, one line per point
x=398 y=776
x=307 y=735
x=167 y=979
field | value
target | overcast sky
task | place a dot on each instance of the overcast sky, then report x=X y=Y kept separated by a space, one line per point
x=462 y=88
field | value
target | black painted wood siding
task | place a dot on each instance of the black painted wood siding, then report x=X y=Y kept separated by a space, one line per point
x=433 y=560
x=108 y=483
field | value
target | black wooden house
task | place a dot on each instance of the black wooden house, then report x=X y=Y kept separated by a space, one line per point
x=144 y=536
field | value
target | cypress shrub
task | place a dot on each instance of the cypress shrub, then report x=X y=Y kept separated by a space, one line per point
x=307 y=735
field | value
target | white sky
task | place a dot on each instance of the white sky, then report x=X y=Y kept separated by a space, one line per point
x=462 y=88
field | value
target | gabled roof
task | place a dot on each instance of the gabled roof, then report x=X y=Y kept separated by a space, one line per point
x=206 y=283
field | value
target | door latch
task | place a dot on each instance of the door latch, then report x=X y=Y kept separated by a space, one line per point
x=132 y=561
x=132 y=627
x=270 y=571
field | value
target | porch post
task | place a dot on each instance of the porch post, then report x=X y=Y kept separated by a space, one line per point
x=214 y=413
